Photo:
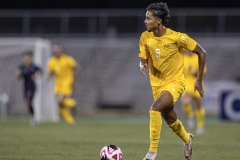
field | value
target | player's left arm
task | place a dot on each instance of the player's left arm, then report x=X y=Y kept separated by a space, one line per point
x=201 y=65
x=38 y=71
x=186 y=42
x=74 y=65
x=18 y=73
x=50 y=69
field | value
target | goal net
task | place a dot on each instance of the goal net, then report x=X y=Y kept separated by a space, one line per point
x=10 y=57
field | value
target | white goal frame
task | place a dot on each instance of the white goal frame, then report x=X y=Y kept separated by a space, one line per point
x=45 y=106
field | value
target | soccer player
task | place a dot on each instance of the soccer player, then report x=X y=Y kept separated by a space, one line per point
x=64 y=68
x=190 y=73
x=161 y=52
x=27 y=70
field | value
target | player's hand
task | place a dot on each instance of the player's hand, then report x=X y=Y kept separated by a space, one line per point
x=198 y=86
x=143 y=69
x=18 y=73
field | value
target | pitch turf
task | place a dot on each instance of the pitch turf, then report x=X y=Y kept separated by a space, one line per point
x=58 y=141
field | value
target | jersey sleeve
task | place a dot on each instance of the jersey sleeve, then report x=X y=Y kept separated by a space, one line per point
x=185 y=41
x=142 y=48
x=72 y=62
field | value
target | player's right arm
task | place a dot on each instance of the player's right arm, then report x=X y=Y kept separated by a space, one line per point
x=143 y=56
x=143 y=66
x=50 y=69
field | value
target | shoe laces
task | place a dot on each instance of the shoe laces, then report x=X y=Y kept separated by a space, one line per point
x=150 y=154
x=187 y=148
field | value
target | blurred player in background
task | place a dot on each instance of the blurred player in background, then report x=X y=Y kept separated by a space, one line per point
x=63 y=67
x=161 y=51
x=27 y=71
x=190 y=74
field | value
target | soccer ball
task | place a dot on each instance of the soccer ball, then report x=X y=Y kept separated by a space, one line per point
x=111 y=152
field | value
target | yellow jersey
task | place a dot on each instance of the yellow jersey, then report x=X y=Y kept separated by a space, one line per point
x=165 y=55
x=62 y=68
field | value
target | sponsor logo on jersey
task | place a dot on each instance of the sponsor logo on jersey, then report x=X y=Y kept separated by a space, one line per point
x=168 y=46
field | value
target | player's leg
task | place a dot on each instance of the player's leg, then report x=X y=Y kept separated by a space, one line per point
x=67 y=89
x=60 y=98
x=69 y=102
x=27 y=98
x=170 y=116
x=200 y=115
x=178 y=128
x=164 y=104
x=155 y=129
x=64 y=110
x=29 y=95
x=30 y=107
x=187 y=108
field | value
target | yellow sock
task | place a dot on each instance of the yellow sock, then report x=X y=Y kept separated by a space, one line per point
x=188 y=110
x=64 y=111
x=179 y=129
x=69 y=102
x=155 y=129
x=200 y=115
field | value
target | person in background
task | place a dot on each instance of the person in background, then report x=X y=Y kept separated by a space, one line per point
x=63 y=67
x=28 y=71
x=190 y=74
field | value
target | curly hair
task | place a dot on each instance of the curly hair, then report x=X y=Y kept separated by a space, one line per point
x=161 y=11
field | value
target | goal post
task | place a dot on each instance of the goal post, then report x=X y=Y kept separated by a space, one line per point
x=10 y=57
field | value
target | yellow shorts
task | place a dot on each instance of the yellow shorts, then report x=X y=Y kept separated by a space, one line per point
x=63 y=87
x=175 y=88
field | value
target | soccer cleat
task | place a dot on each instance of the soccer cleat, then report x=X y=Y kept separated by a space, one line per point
x=188 y=147
x=150 y=155
x=200 y=131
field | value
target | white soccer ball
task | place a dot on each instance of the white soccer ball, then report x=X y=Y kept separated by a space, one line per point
x=111 y=152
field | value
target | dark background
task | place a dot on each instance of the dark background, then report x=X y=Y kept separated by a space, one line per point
x=73 y=4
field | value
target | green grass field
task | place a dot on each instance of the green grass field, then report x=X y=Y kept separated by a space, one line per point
x=84 y=141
